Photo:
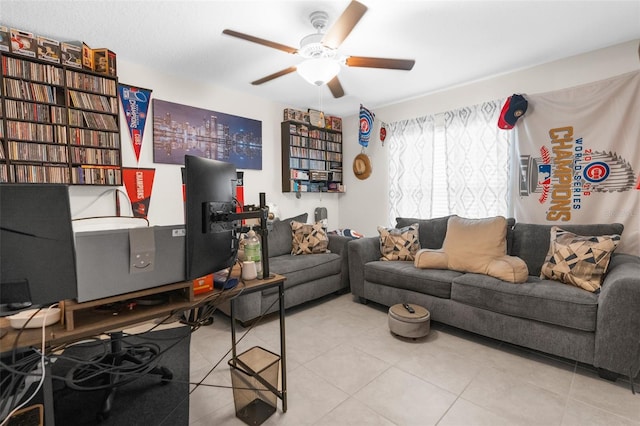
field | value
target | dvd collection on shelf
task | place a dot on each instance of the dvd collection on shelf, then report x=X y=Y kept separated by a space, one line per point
x=311 y=156
x=75 y=54
x=59 y=125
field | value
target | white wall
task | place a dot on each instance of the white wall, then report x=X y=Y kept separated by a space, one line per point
x=166 y=207
x=366 y=204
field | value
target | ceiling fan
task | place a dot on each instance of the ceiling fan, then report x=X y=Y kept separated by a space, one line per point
x=322 y=61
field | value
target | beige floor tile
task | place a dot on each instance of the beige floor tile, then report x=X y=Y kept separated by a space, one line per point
x=337 y=346
x=310 y=398
x=379 y=342
x=347 y=368
x=205 y=400
x=445 y=367
x=535 y=368
x=520 y=401
x=305 y=344
x=353 y=413
x=580 y=414
x=405 y=399
x=465 y=413
x=614 y=397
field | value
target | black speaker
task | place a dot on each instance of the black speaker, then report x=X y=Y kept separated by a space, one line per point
x=14 y=295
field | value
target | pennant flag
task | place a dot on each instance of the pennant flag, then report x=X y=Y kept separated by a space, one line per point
x=135 y=103
x=139 y=184
x=366 y=124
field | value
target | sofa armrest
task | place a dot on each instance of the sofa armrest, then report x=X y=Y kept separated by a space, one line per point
x=338 y=244
x=618 y=328
x=361 y=251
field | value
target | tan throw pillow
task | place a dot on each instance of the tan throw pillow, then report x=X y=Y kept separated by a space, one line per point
x=308 y=239
x=478 y=246
x=431 y=259
x=578 y=260
x=471 y=244
x=508 y=268
x=399 y=244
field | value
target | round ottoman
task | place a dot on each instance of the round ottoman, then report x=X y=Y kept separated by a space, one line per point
x=406 y=324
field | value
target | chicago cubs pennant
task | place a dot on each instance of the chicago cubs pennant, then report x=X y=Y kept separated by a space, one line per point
x=135 y=103
x=366 y=124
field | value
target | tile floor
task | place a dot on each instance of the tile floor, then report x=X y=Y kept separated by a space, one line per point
x=345 y=368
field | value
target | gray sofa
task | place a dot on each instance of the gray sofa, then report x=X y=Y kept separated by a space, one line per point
x=308 y=277
x=598 y=329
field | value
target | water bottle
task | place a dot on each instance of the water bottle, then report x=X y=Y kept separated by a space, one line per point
x=253 y=250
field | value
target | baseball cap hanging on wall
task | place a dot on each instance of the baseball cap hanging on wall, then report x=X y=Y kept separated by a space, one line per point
x=514 y=107
x=362 y=164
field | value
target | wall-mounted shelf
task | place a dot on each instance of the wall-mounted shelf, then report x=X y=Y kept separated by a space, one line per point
x=311 y=158
x=59 y=124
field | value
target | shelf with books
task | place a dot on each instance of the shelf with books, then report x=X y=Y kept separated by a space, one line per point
x=59 y=124
x=311 y=158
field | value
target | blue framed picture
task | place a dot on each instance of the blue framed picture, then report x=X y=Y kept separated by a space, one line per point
x=181 y=129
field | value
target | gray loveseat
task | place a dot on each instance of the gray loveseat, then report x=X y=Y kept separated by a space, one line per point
x=598 y=329
x=308 y=276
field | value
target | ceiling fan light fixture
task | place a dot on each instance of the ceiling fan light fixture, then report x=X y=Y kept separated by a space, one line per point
x=318 y=71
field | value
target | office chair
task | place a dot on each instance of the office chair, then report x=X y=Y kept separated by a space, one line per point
x=123 y=364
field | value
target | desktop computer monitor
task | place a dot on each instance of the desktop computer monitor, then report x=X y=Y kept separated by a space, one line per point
x=210 y=187
x=36 y=244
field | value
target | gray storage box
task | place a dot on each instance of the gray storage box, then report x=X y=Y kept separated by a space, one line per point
x=118 y=261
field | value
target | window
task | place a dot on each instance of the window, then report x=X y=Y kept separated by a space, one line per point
x=456 y=162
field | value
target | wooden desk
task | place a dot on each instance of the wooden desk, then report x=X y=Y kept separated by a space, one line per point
x=88 y=322
x=81 y=320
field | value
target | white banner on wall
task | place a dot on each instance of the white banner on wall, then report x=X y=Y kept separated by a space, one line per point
x=578 y=153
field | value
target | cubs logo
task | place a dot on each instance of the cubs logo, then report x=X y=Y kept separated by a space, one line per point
x=364 y=126
x=596 y=172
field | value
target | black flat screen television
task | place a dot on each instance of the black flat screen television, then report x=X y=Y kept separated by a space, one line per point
x=37 y=242
x=210 y=187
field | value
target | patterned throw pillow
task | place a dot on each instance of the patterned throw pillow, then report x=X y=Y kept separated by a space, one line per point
x=308 y=239
x=399 y=244
x=578 y=260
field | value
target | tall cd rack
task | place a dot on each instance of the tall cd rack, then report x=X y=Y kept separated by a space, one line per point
x=311 y=158
x=59 y=124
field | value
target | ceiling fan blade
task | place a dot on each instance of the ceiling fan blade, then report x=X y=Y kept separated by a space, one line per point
x=394 y=64
x=274 y=75
x=261 y=41
x=335 y=87
x=344 y=25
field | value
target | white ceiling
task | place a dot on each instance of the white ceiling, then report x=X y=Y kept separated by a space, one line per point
x=453 y=42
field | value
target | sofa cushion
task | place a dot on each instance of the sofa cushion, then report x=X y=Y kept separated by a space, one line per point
x=279 y=237
x=508 y=268
x=308 y=239
x=431 y=259
x=541 y=300
x=471 y=244
x=578 y=260
x=475 y=245
x=303 y=269
x=435 y=282
x=399 y=243
x=531 y=241
x=431 y=232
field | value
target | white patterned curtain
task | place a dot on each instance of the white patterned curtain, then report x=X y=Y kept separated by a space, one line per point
x=453 y=163
x=411 y=158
